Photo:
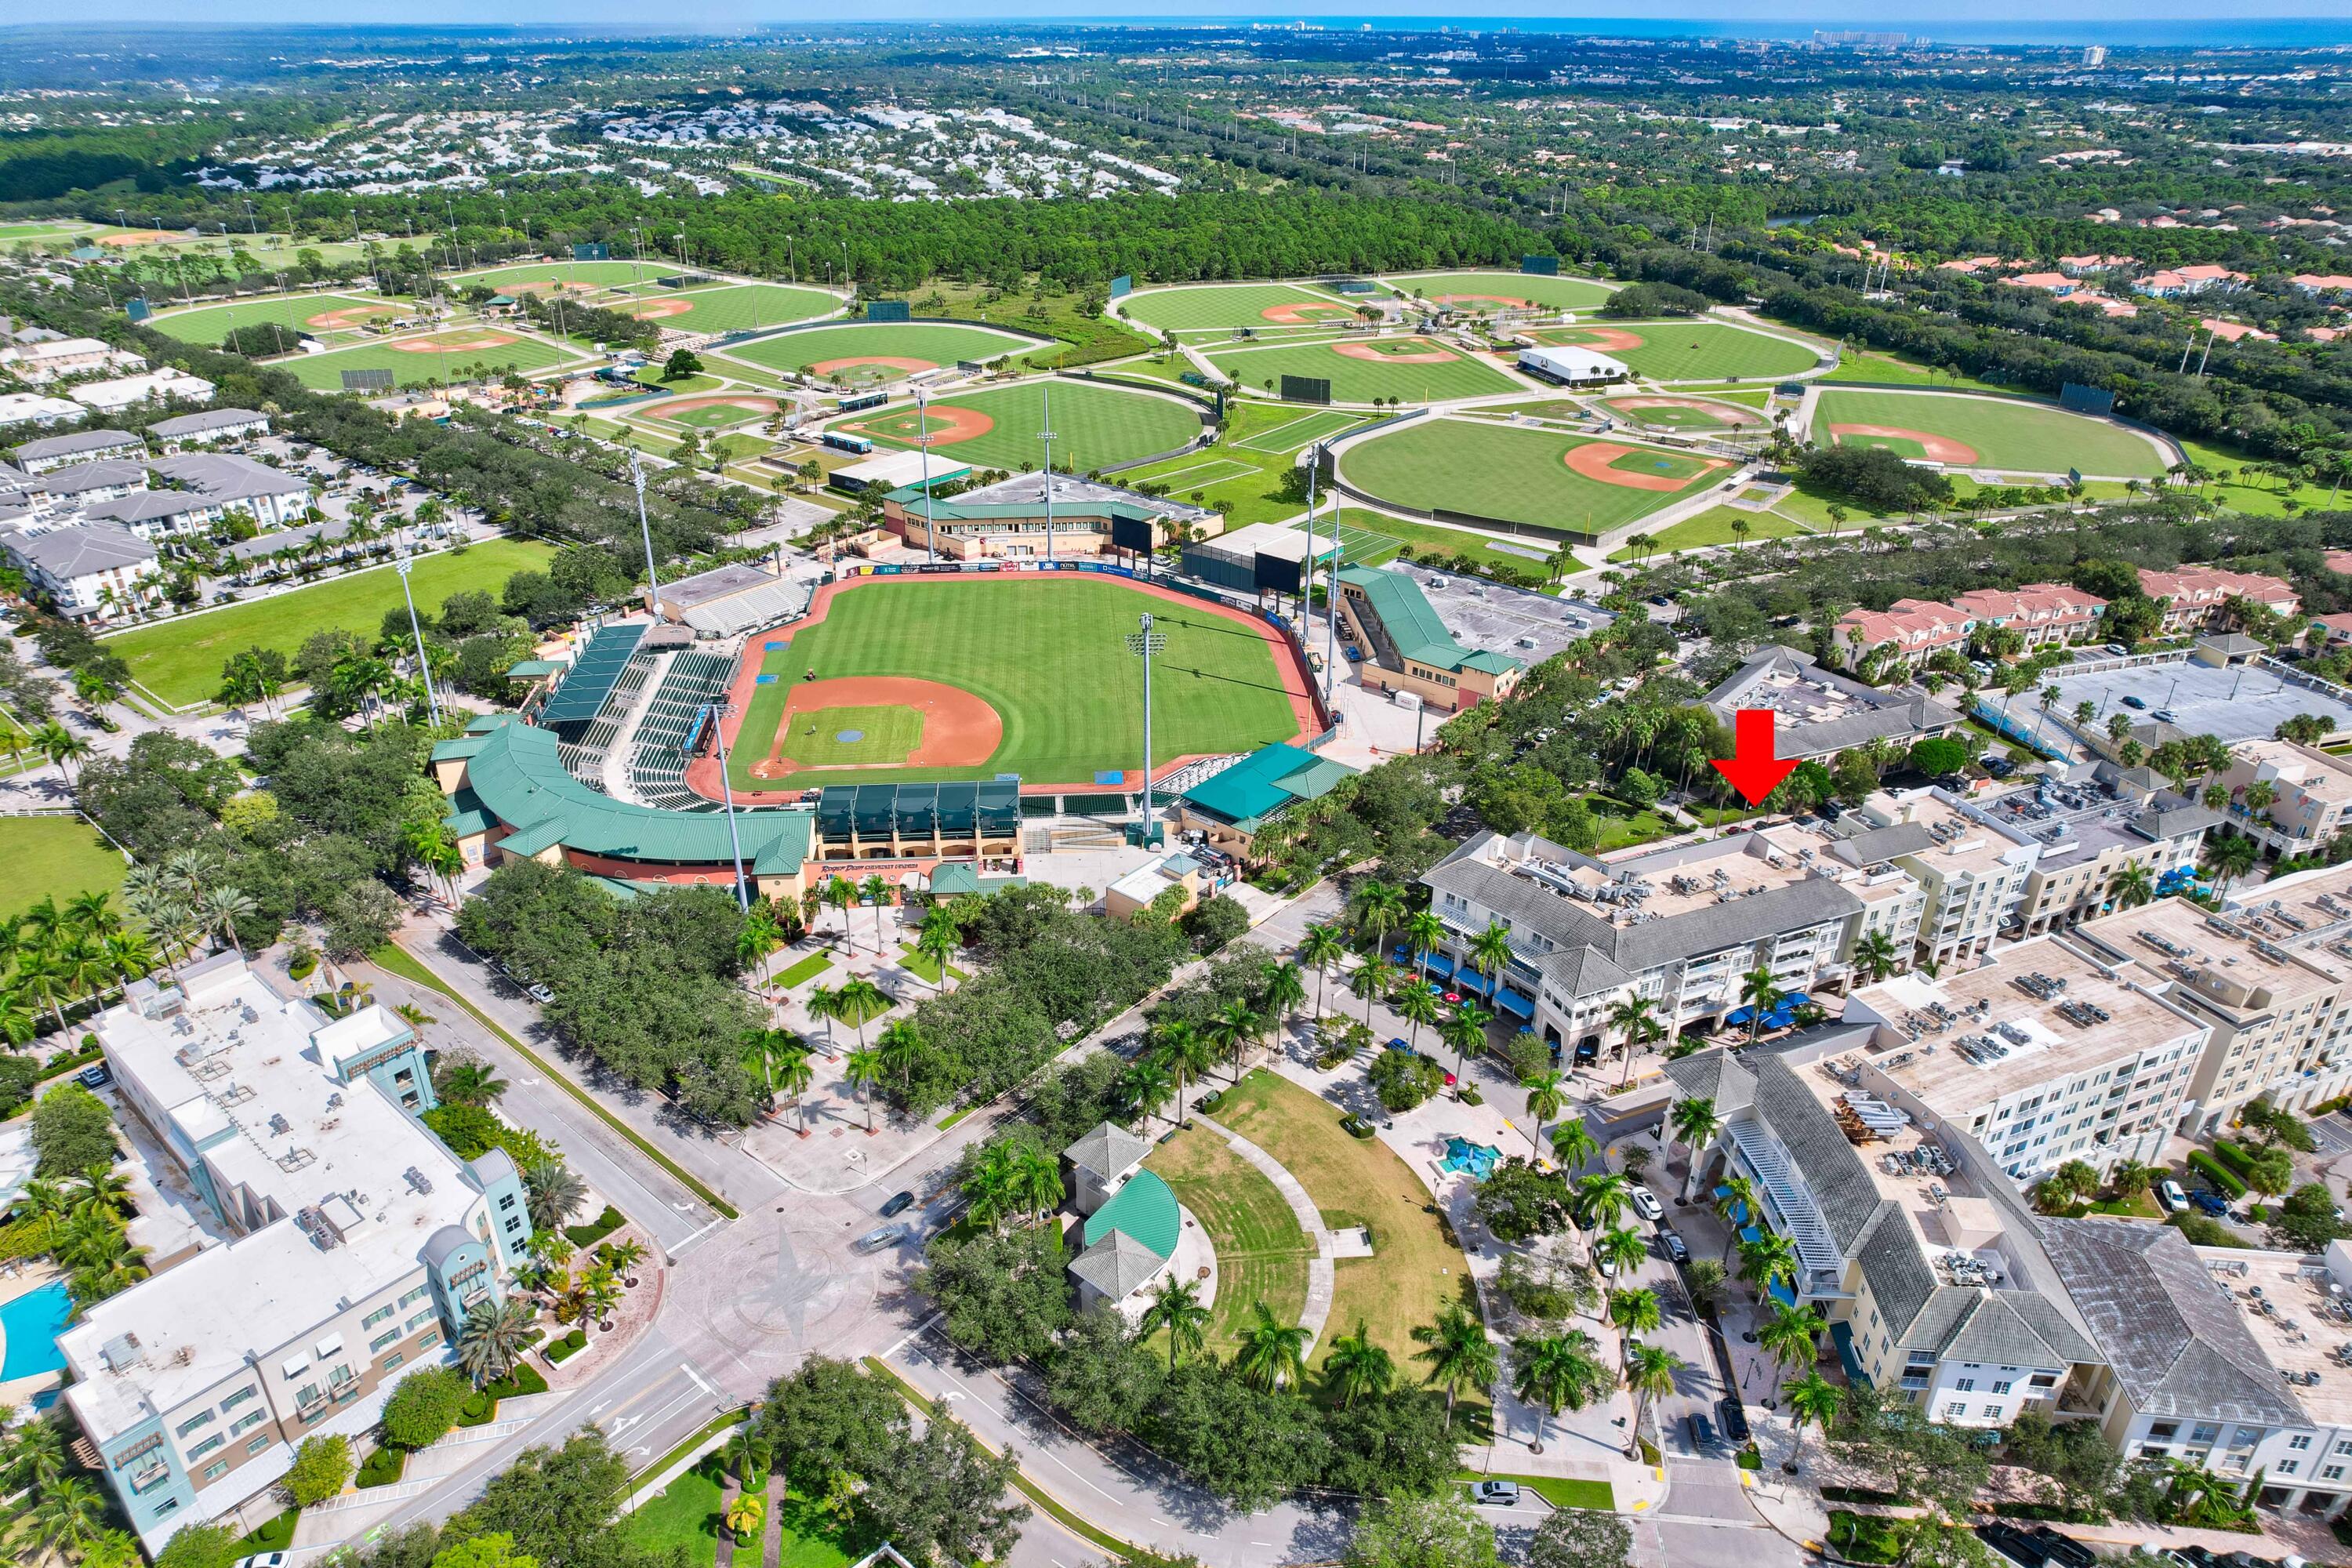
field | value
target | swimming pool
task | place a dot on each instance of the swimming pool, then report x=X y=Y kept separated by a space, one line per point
x=30 y=1327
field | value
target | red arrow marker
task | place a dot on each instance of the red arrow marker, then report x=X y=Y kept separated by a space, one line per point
x=1752 y=768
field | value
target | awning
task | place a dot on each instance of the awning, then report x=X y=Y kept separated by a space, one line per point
x=1842 y=1336
x=1782 y=1294
x=1440 y=964
x=1471 y=980
x=1510 y=1001
x=1740 y=1014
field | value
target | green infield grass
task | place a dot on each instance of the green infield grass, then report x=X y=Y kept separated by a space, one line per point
x=313 y=313
x=1418 y=370
x=538 y=277
x=839 y=349
x=1990 y=433
x=1688 y=350
x=1262 y=307
x=53 y=858
x=1695 y=414
x=1050 y=656
x=737 y=409
x=1672 y=465
x=181 y=660
x=450 y=354
x=1095 y=426
x=731 y=307
x=1501 y=291
x=1512 y=474
x=852 y=737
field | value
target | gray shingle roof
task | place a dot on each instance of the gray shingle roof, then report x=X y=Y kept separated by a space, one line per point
x=1843 y=1190
x=81 y=549
x=1117 y=1265
x=102 y=474
x=1107 y=1151
x=145 y=506
x=80 y=441
x=224 y=476
x=1584 y=972
x=1877 y=844
x=1714 y=1075
x=2170 y=1332
x=205 y=420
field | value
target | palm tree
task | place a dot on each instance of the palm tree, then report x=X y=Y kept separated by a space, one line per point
x=1558 y=1371
x=824 y=1002
x=1574 y=1144
x=1379 y=909
x=1770 y=1258
x=1417 y=1007
x=861 y=999
x=492 y=1339
x=1036 y=1178
x=1466 y=1030
x=792 y=1073
x=746 y=1516
x=1874 y=955
x=60 y=746
x=1813 y=1400
x=70 y=1511
x=900 y=1047
x=622 y=1257
x=1490 y=952
x=1631 y=1312
x=1760 y=993
x=936 y=938
x=875 y=890
x=1272 y=1354
x=1367 y=982
x=1357 y=1367
x=2132 y=887
x=2229 y=857
x=1176 y=1307
x=1694 y=1125
x=555 y=1191
x=1634 y=1019
x=1319 y=948
x=1146 y=1087
x=1231 y=1030
x=1650 y=1374
x=221 y=908
x=1284 y=990
x=469 y=1082
x=1457 y=1351
x=1547 y=1097
x=104 y=1188
x=1602 y=1198
x=1735 y=1203
x=839 y=894
x=1424 y=933
x=864 y=1071
x=1621 y=1249
x=1789 y=1335
x=1184 y=1054
x=757 y=938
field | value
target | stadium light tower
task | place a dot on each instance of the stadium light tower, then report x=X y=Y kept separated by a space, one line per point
x=1145 y=642
x=1330 y=586
x=923 y=442
x=1046 y=435
x=402 y=562
x=715 y=712
x=653 y=579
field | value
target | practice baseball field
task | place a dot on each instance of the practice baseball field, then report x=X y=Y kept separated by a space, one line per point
x=1519 y=475
x=1094 y=426
x=1416 y=369
x=1966 y=432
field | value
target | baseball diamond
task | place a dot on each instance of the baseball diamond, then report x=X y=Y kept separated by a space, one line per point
x=1518 y=475
x=2005 y=432
x=1095 y=426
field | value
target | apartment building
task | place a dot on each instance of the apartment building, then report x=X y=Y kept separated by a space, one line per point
x=352 y=1243
x=1971 y=872
x=1820 y=712
x=2275 y=1010
x=165 y=385
x=2194 y=595
x=2181 y=282
x=2043 y=614
x=82 y=447
x=2308 y=790
x=2048 y=1053
x=1906 y=633
x=2228 y=1359
x=208 y=427
x=86 y=570
x=1921 y=1255
x=2093 y=833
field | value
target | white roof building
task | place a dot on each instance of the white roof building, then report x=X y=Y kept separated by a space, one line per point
x=1571 y=366
x=33 y=409
x=158 y=386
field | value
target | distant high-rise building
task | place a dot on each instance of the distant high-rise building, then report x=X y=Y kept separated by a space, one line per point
x=2096 y=56
x=1859 y=41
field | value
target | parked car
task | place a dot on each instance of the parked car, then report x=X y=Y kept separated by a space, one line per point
x=1646 y=1204
x=97 y=1075
x=2213 y=1204
x=1702 y=1433
x=263 y=1559
x=899 y=1204
x=888 y=1235
x=2167 y=716
x=541 y=994
x=1495 y=1494
x=1676 y=1252
x=2009 y=1541
x=1734 y=1417
x=2061 y=1549
x=2168 y=1193
x=2138 y=702
x=2116 y=649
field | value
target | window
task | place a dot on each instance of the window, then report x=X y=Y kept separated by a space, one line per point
x=2345 y=1447
x=217 y=1469
x=206 y=1447
x=417 y=1322
x=191 y=1423
x=249 y=1422
x=239 y=1397
x=2003 y=1385
x=382 y=1340
x=410 y=1298
x=378 y=1316
x=394 y=1359
x=1956 y=1409
x=2289 y=1466
x=2299 y=1442
x=507 y=1202
x=1966 y=1385
x=2332 y=1473
x=2205 y=1432
x=258 y=1444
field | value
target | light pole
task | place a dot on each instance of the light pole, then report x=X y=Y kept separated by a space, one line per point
x=923 y=441
x=400 y=563
x=1144 y=642
x=1046 y=435
x=717 y=712
x=791 y=262
x=653 y=579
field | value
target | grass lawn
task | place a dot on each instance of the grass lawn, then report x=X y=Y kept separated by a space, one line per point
x=2256 y=495
x=1197 y=311
x=732 y=308
x=1262 y=1254
x=1368 y=368
x=852 y=737
x=1048 y=657
x=1248 y=466
x=181 y=660
x=1371 y=538
x=1621 y=825
x=1690 y=350
x=53 y=858
x=1558 y=1490
x=1516 y=475
x=923 y=968
x=2034 y=437
x=210 y=323
x=1416 y=1264
x=11 y=233
x=1489 y=291
x=1713 y=526
x=451 y=353
x=687 y=1515
x=537 y=276
x=808 y=968
x=930 y=341
x=650 y=376
x=1095 y=426
x=274 y=1535
x=1869 y=364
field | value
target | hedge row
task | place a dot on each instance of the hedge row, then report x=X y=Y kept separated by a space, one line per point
x=2224 y=1181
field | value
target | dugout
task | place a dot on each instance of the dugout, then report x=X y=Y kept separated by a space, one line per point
x=918 y=821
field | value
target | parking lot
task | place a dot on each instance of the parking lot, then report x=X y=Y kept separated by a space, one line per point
x=2237 y=702
x=1513 y=622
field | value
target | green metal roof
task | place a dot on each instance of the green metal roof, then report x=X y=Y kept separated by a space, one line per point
x=453 y=750
x=467 y=816
x=1414 y=625
x=519 y=778
x=1265 y=782
x=951 y=879
x=1492 y=663
x=593 y=674
x=483 y=723
x=530 y=668
x=1145 y=1209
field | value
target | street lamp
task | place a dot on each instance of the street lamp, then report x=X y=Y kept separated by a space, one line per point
x=1144 y=642
x=402 y=562
x=715 y=712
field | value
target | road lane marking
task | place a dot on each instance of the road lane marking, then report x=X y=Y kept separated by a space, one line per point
x=687 y=1368
x=716 y=1222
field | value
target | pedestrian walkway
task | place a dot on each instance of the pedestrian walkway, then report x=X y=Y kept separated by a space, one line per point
x=1321 y=1276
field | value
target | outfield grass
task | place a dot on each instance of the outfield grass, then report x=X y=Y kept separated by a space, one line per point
x=1869 y=364
x=416 y=365
x=1262 y=1254
x=1691 y=414
x=1095 y=426
x=883 y=735
x=210 y=323
x=1049 y=657
x=1298 y=432
x=1496 y=470
x=1713 y=527
x=532 y=277
x=1189 y=312
x=1558 y=293
x=1248 y=466
x=181 y=660
x=1416 y=1264
x=1357 y=380
x=731 y=307
x=1368 y=538
x=1692 y=350
x=53 y=858
x=2032 y=437
x=938 y=344
x=11 y=233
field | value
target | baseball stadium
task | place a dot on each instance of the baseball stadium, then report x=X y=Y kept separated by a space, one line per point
x=728 y=308
x=1484 y=292
x=1219 y=309
x=319 y=315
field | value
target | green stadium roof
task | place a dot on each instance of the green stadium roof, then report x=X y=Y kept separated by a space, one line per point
x=531 y=667
x=593 y=675
x=1145 y=1209
x=1265 y=782
x=1414 y=625
x=517 y=777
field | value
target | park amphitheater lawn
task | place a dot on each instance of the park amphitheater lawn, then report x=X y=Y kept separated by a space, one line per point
x=210 y=324
x=1261 y=1252
x=1355 y=380
x=1050 y=658
x=794 y=351
x=1494 y=470
x=735 y=307
x=415 y=366
x=52 y=858
x=1696 y=351
x=181 y=660
x=1193 y=311
x=1416 y=1265
x=1095 y=426
x=2033 y=437
x=526 y=276
x=1559 y=293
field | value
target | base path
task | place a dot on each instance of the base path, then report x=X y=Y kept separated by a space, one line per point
x=750 y=402
x=883 y=361
x=1592 y=461
x=1431 y=355
x=1934 y=448
x=656 y=310
x=946 y=422
x=1305 y=313
x=1729 y=413
x=455 y=342
x=356 y=316
x=1608 y=339
x=960 y=730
